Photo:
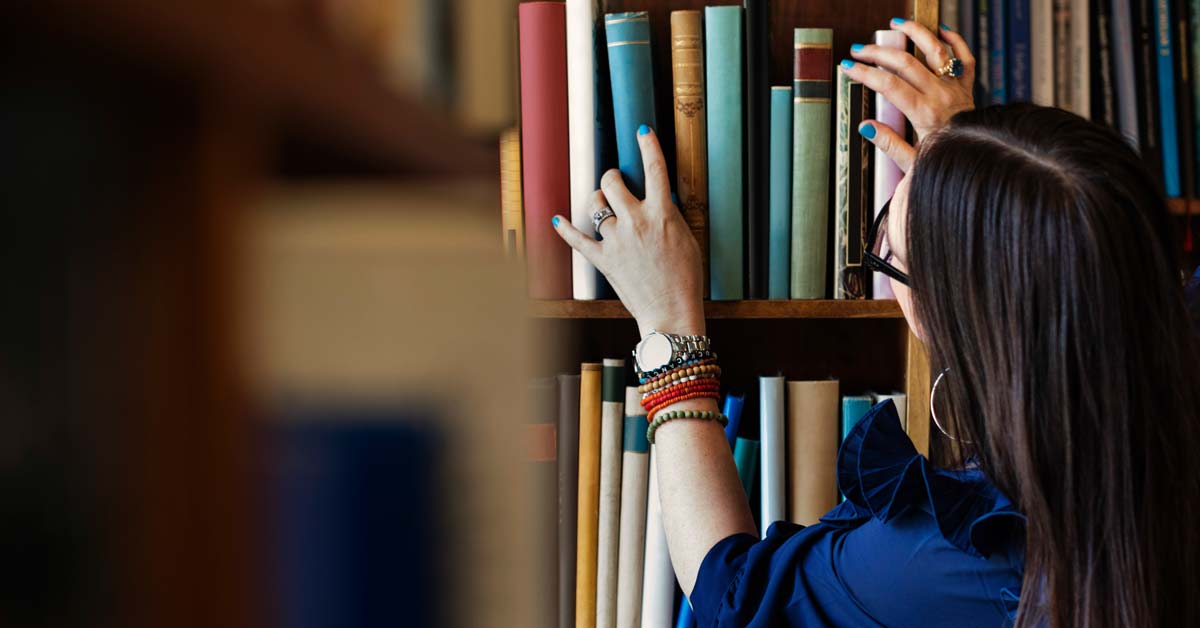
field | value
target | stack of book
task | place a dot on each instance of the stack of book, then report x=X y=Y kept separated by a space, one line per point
x=600 y=497
x=755 y=164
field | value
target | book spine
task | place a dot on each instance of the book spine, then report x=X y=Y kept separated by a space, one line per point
x=732 y=409
x=1020 y=79
x=635 y=472
x=773 y=483
x=658 y=581
x=581 y=118
x=1080 y=58
x=1103 y=94
x=780 y=242
x=983 y=54
x=612 y=429
x=1169 y=132
x=854 y=407
x=812 y=436
x=1041 y=51
x=1125 y=77
x=1183 y=100
x=851 y=198
x=948 y=12
x=723 y=85
x=628 y=36
x=967 y=23
x=887 y=173
x=812 y=92
x=606 y=136
x=1146 y=49
x=568 y=493
x=691 y=143
x=544 y=153
x=901 y=401
x=745 y=458
x=541 y=445
x=1194 y=57
x=589 y=495
x=512 y=219
x=998 y=38
x=758 y=116
x=1062 y=54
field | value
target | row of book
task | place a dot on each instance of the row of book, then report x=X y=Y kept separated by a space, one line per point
x=1124 y=63
x=754 y=163
x=597 y=492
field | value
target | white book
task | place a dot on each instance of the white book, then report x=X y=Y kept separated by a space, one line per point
x=635 y=476
x=581 y=131
x=1041 y=51
x=1081 y=54
x=772 y=471
x=887 y=173
x=901 y=401
x=1124 y=73
x=612 y=430
x=658 y=581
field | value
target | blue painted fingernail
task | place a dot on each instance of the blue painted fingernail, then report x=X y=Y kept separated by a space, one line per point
x=554 y=221
x=846 y=63
x=867 y=131
x=898 y=20
x=642 y=130
x=857 y=47
x=945 y=28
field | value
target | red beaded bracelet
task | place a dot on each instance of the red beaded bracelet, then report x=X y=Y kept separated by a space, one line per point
x=693 y=386
x=696 y=395
x=666 y=398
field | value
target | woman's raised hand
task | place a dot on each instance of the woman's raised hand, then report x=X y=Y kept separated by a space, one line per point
x=926 y=99
x=647 y=253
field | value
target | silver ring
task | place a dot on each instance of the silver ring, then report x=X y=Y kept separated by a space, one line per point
x=600 y=215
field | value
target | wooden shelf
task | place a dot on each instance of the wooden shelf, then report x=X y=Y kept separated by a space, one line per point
x=1179 y=206
x=728 y=309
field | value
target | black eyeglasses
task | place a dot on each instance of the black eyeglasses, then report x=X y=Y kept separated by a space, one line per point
x=877 y=252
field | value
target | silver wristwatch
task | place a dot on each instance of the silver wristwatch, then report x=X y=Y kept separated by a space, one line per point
x=659 y=350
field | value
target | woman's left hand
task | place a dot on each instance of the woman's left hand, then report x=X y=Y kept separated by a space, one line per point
x=926 y=99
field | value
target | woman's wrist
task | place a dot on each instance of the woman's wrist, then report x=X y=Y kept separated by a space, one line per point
x=691 y=324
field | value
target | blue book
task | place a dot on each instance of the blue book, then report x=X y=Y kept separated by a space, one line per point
x=998 y=66
x=780 y=240
x=854 y=407
x=628 y=36
x=1166 y=96
x=723 y=94
x=733 y=411
x=1020 y=73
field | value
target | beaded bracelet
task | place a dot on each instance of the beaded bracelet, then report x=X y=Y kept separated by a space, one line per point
x=681 y=389
x=706 y=415
x=678 y=382
x=706 y=394
x=707 y=357
x=700 y=369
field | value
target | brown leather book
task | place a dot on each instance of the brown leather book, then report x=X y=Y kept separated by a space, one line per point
x=691 y=142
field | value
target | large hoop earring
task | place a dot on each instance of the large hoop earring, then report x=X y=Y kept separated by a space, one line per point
x=933 y=413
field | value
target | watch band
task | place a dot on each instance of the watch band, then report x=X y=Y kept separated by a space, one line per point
x=684 y=349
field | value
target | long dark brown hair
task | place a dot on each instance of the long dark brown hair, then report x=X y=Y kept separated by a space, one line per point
x=1045 y=279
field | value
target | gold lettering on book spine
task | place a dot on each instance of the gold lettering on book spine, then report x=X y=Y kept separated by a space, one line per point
x=691 y=134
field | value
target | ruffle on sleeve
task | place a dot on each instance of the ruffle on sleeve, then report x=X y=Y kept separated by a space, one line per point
x=882 y=476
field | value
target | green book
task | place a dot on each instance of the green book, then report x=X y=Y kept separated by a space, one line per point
x=812 y=92
x=723 y=85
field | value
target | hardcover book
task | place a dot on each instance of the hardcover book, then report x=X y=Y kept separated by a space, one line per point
x=628 y=37
x=853 y=185
x=758 y=115
x=541 y=453
x=1146 y=68
x=635 y=478
x=1168 y=123
x=512 y=217
x=1020 y=79
x=612 y=429
x=691 y=143
x=589 y=495
x=1080 y=59
x=723 y=86
x=581 y=117
x=568 y=494
x=812 y=93
x=745 y=459
x=773 y=483
x=998 y=51
x=1183 y=100
x=1062 y=54
x=1122 y=23
x=658 y=578
x=780 y=241
x=983 y=53
x=544 y=154
x=1103 y=97
x=812 y=436
x=887 y=173
x=1041 y=51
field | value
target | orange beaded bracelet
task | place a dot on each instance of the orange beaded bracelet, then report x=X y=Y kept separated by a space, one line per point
x=697 y=395
x=713 y=386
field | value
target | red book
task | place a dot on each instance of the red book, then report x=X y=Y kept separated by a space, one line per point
x=544 y=158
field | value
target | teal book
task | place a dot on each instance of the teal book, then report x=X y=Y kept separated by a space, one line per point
x=780 y=241
x=812 y=92
x=628 y=37
x=854 y=407
x=745 y=458
x=723 y=85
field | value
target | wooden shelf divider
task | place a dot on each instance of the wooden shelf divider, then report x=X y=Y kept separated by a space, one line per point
x=815 y=309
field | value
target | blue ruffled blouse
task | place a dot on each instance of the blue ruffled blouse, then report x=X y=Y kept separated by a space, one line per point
x=912 y=545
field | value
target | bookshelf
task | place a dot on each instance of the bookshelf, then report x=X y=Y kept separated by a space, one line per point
x=822 y=309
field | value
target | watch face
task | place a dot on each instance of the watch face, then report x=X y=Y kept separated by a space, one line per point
x=654 y=352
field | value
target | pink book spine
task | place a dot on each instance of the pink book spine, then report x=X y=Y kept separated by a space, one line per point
x=887 y=173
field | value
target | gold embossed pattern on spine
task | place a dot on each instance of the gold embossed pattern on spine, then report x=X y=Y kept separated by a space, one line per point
x=691 y=142
x=511 y=213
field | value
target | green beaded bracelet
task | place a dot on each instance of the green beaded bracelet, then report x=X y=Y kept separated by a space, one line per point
x=663 y=417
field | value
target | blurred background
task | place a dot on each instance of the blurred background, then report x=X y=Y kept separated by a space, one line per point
x=262 y=359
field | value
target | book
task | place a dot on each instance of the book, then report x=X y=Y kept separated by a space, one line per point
x=948 y=11
x=1103 y=94
x=812 y=92
x=732 y=409
x=853 y=409
x=812 y=437
x=772 y=483
x=606 y=136
x=1062 y=54
x=544 y=155
x=691 y=143
x=587 y=530
x=1168 y=124
x=1041 y=51
x=901 y=401
x=629 y=67
x=1124 y=75
x=685 y=618
x=723 y=89
x=612 y=430
x=581 y=118
x=511 y=214
x=1080 y=58
x=887 y=173
x=1020 y=60
x=967 y=25
x=484 y=77
x=1194 y=60
x=852 y=198
x=779 y=244
x=998 y=51
x=568 y=493
x=745 y=458
x=758 y=120
x=983 y=54
x=658 y=578
x=541 y=454
x=1183 y=100
x=635 y=478
x=1146 y=68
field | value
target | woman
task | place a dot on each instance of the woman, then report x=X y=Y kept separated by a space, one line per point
x=1030 y=251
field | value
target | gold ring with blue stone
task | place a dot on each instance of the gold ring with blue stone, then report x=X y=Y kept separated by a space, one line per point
x=952 y=69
